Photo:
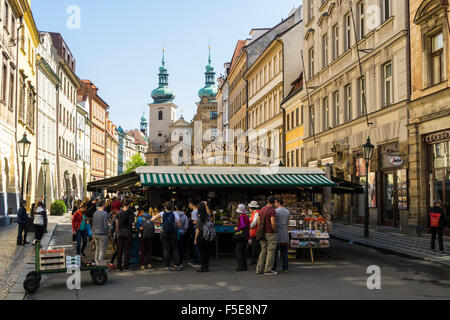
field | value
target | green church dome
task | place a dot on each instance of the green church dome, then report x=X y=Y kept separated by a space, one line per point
x=210 y=89
x=163 y=93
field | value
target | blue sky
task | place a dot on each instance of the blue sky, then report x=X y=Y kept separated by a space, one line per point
x=118 y=46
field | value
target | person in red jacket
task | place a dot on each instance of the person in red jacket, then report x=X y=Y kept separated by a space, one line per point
x=79 y=228
x=254 y=214
x=436 y=223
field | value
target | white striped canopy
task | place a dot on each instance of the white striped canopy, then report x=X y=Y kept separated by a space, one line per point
x=231 y=176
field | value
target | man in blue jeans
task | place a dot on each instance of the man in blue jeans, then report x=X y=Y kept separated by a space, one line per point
x=282 y=219
x=193 y=204
x=22 y=220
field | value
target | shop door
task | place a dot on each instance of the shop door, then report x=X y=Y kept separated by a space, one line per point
x=390 y=200
x=440 y=189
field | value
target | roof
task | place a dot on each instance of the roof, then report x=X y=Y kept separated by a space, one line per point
x=137 y=135
x=240 y=44
x=233 y=176
x=296 y=87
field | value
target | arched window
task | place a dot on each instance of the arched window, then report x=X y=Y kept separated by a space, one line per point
x=160 y=115
x=180 y=138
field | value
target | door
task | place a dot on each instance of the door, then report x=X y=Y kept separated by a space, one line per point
x=440 y=190
x=390 y=200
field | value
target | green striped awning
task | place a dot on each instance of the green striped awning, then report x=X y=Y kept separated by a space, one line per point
x=239 y=179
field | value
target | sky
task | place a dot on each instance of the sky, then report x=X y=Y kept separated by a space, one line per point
x=117 y=44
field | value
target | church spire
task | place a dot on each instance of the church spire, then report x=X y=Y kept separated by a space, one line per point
x=163 y=93
x=209 y=90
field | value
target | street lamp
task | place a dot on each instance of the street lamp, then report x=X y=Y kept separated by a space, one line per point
x=67 y=177
x=24 y=149
x=367 y=153
x=45 y=165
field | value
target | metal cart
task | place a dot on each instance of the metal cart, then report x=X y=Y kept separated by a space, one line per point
x=33 y=278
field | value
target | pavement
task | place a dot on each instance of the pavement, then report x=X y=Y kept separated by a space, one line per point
x=341 y=276
x=16 y=261
x=394 y=242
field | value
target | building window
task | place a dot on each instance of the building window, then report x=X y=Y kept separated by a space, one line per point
x=362 y=100
x=6 y=15
x=288 y=122
x=213 y=115
x=348 y=34
x=386 y=9
x=326 y=114
x=348 y=102
x=437 y=58
x=325 y=50
x=311 y=63
x=160 y=115
x=336 y=108
x=297 y=158
x=5 y=82
x=335 y=42
x=387 y=84
x=311 y=9
x=11 y=92
x=156 y=162
x=297 y=117
x=361 y=16
x=313 y=121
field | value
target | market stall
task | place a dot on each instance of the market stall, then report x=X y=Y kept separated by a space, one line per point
x=225 y=187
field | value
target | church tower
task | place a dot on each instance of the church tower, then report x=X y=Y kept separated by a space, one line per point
x=162 y=111
x=143 y=125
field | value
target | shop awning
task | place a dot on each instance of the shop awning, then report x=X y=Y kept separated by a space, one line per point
x=346 y=187
x=120 y=183
x=232 y=176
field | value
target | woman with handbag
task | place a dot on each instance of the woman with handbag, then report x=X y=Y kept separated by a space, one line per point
x=40 y=216
x=79 y=228
x=241 y=238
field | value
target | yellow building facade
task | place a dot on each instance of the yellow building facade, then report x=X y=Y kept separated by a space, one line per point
x=294 y=129
x=28 y=41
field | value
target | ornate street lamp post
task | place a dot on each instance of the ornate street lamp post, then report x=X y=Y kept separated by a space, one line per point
x=367 y=152
x=45 y=165
x=24 y=149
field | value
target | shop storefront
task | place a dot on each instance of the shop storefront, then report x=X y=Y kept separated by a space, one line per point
x=394 y=186
x=438 y=168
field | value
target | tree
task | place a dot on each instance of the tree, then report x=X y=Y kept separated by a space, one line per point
x=134 y=163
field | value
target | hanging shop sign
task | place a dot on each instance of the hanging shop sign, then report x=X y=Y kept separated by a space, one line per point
x=326 y=161
x=395 y=160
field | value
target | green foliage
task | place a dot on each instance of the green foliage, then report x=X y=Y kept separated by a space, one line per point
x=58 y=208
x=134 y=163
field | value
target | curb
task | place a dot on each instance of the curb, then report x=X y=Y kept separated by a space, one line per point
x=388 y=250
x=18 y=292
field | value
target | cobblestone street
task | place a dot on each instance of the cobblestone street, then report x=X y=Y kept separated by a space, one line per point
x=13 y=258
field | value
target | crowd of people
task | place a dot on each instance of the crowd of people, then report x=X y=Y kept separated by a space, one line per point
x=185 y=228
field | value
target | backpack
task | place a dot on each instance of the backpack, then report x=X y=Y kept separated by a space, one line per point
x=168 y=223
x=261 y=232
x=434 y=219
x=209 y=231
x=148 y=228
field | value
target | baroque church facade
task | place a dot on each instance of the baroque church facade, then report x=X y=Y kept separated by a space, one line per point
x=172 y=141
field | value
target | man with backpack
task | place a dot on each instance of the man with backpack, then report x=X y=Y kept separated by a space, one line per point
x=183 y=226
x=267 y=235
x=146 y=232
x=437 y=222
x=168 y=235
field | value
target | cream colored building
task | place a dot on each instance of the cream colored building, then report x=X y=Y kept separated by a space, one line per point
x=265 y=117
x=10 y=12
x=429 y=110
x=335 y=115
